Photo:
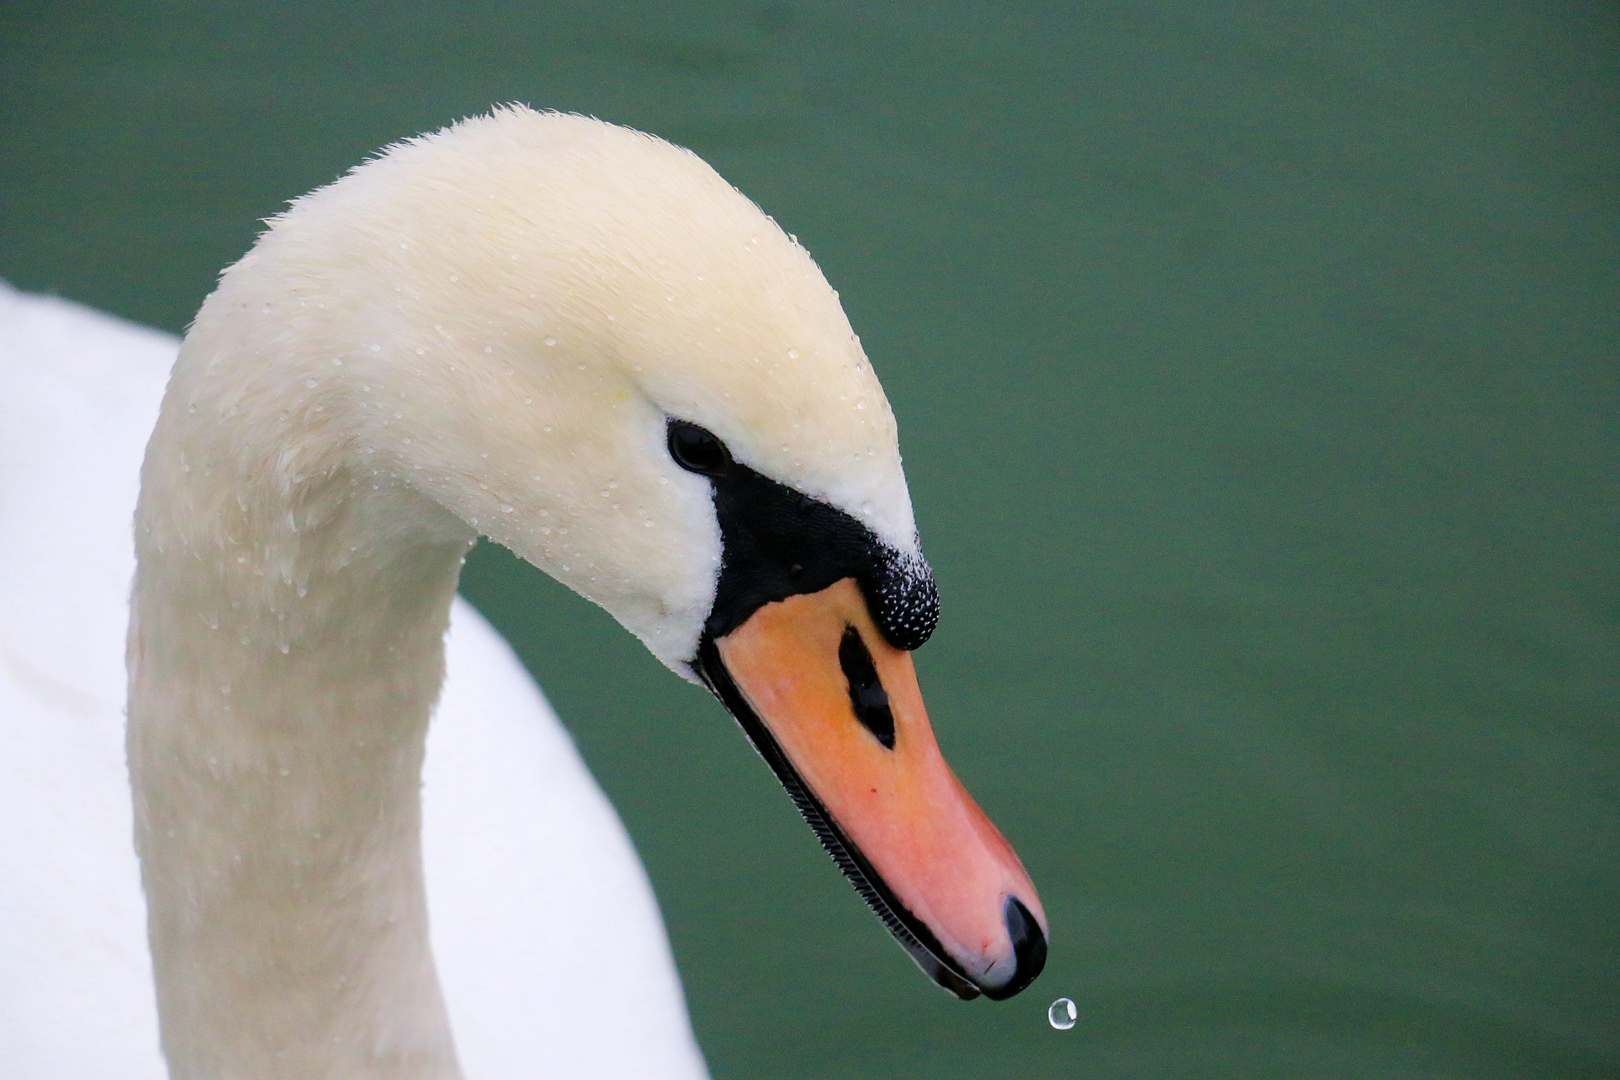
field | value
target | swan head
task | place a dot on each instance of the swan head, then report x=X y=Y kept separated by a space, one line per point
x=580 y=341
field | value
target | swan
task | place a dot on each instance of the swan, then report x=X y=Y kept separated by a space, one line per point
x=579 y=341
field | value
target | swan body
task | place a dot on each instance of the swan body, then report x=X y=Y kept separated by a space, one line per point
x=581 y=342
x=519 y=844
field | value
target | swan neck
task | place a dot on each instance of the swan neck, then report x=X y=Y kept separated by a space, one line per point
x=286 y=649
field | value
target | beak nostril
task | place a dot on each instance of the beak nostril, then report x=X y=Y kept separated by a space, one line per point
x=1029 y=947
x=866 y=694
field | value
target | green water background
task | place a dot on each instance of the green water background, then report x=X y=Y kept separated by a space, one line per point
x=1257 y=373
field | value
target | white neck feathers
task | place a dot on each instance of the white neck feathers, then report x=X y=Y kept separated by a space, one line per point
x=281 y=681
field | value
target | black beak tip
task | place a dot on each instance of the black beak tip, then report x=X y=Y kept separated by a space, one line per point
x=1029 y=947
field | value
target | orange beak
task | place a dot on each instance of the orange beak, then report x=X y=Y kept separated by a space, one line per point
x=837 y=713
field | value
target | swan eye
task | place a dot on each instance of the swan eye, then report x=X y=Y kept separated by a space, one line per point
x=697 y=449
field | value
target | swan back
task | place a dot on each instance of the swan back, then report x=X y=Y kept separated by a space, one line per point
x=78 y=393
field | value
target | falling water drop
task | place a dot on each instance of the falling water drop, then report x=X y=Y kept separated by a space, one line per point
x=1062 y=1014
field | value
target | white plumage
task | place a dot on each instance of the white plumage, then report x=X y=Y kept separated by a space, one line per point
x=522 y=849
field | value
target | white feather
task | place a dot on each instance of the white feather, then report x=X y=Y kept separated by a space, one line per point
x=522 y=849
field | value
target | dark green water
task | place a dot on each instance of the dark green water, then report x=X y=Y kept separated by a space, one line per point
x=1258 y=370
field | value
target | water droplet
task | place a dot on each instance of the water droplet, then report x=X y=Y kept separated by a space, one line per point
x=793 y=354
x=1062 y=1014
x=488 y=349
x=337 y=362
x=285 y=771
x=506 y=508
x=551 y=341
x=421 y=352
x=311 y=383
x=284 y=647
